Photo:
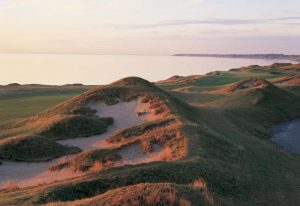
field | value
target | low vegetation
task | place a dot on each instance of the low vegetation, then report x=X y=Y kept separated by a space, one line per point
x=148 y=195
x=77 y=126
x=94 y=160
x=33 y=149
x=221 y=141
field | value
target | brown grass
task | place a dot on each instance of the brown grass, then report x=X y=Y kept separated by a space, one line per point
x=242 y=86
x=287 y=81
x=145 y=195
x=201 y=184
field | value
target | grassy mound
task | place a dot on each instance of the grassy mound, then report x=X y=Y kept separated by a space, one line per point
x=33 y=149
x=139 y=130
x=90 y=160
x=165 y=132
x=248 y=84
x=276 y=67
x=149 y=195
x=226 y=139
x=77 y=126
x=180 y=79
x=243 y=86
x=270 y=97
x=287 y=81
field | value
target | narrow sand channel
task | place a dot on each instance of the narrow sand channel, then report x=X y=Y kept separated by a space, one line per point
x=29 y=174
x=287 y=136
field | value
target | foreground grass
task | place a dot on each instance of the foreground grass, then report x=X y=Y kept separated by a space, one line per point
x=150 y=194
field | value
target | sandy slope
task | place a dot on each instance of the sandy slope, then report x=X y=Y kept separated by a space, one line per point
x=125 y=114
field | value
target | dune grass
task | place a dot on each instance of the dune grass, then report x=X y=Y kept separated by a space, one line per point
x=148 y=195
x=228 y=149
x=33 y=149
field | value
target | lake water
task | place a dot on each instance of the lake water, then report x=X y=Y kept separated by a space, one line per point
x=287 y=135
x=103 y=69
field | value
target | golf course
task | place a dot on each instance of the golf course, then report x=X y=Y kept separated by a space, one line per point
x=223 y=138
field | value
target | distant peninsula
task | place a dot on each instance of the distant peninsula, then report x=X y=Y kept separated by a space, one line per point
x=247 y=56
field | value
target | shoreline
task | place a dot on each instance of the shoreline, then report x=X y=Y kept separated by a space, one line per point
x=279 y=57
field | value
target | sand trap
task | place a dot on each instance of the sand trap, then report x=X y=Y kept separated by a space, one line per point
x=134 y=154
x=125 y=114
x=287 y=135
x=32 y=175
x=22 y=174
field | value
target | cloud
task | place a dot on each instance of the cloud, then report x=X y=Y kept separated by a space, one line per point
x=211 y=21
x=6 y=5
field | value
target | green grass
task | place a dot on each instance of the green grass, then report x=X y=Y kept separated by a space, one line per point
x=22 y=102
x=228 y=148
x=77 y=126
x=33 y=149
x=17 y=103
x=221 y=79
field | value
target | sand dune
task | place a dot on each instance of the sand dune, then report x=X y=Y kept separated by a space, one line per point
x=125 y=114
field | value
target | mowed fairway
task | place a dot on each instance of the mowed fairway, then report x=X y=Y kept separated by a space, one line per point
x=23 y=101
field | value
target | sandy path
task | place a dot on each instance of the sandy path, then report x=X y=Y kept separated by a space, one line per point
x=29 y=174
x=287 y=135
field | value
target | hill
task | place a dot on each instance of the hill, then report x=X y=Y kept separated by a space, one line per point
x=151 y=194
x=75 y=118
x=180 y=79
x=276 y=67
x=246 y=56
x=287 y=81
x=186 y=148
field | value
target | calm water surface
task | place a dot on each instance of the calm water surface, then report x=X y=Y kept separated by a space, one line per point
x=287 y=135
x=103 y=69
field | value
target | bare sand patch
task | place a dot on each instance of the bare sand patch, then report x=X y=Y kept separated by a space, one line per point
x=22 y=174
x=125 y=114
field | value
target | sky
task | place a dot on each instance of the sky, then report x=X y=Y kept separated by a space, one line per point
x=150 y=26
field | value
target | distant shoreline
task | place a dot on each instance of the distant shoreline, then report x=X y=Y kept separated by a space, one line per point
x=246 y=56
